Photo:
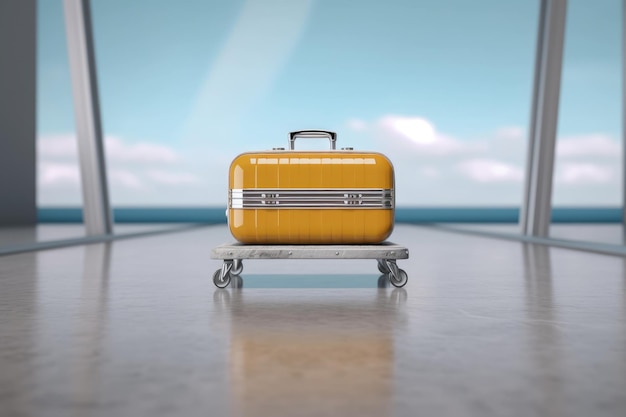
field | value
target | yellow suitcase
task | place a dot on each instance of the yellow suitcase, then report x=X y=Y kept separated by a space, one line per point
x=311 y=197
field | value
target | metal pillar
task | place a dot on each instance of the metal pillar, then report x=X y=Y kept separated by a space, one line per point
x=624 y=121
x=17 y=112
x=535 y=213
x=96 y=210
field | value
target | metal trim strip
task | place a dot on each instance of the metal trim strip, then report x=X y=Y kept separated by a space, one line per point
x=314 y=198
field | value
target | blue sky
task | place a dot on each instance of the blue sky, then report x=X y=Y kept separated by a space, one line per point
x=204 y=80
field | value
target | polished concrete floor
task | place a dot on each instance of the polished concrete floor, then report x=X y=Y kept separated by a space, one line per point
x=596 y=233
x=18 y=236
x=484 y=327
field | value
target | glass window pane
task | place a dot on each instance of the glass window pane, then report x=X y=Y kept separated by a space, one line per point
x=58 y=174
x=58 y=178
x=588 y=168
x=442 y=87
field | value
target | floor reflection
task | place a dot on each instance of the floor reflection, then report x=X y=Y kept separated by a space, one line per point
x=321 y=352
x=543 y=337
x=91 y=323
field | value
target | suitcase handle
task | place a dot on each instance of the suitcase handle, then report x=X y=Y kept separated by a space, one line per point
x=314 y=134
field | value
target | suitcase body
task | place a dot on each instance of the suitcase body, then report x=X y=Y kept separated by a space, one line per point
x=311 y=197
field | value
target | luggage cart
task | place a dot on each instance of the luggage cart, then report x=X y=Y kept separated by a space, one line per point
x=385 y=253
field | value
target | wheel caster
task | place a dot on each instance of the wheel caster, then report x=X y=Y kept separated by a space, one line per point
x=382 y=266
x=398 y=278
x=221 y=279
x=237 y=267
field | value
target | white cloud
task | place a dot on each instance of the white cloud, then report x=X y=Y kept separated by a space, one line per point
x=130 y=166
x=432 y=168
x=587 y=145
x=510 y=132
x=58 y=174
x=117 y=150
x=584 y=173
x=419 y=135
x=143 y=152
x=124 y=178
x=57 y=146
x=357 y=125
x=173 y=178
x=489 y=170
x=419 y=130
x=55 y=174
x=430 y=172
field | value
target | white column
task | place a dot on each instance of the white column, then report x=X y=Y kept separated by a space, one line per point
x=96 y=210
x=624 y=119
x=536 y=209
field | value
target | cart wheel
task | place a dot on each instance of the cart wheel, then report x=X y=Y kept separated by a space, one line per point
x=219 y=281
x=398 y=280
x=237 y=268
x=382 y=266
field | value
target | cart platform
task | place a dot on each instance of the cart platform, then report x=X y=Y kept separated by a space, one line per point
x=385 y=253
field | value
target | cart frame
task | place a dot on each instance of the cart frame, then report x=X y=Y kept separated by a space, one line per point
x=233 y=254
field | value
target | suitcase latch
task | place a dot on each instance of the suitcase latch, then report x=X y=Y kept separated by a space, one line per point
x=271 y=198
x=353 y=199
